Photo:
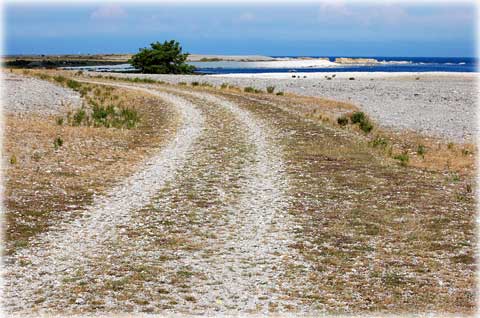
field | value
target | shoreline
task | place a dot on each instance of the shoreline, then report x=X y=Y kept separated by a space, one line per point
x=341 y=75
x=437 y=104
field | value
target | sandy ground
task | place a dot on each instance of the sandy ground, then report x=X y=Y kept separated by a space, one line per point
x=441 y=105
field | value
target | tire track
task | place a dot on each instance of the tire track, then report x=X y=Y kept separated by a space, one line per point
x=254 y=255
x=243 y=265
x=36 y=273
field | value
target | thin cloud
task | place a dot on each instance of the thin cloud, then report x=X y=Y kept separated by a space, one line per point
x=246 y=17
x=108 y=12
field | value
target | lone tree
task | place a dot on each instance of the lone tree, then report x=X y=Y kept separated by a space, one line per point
x=166 y=58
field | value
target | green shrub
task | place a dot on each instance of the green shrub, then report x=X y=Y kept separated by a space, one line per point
x=421 y=151
x=166 y=58
x=44 y=76
x=57 y=143
x=249 y=89
x=342 y=120
x=60 y=79
x=362 y=120
x=182 y=83
x=13 y=160
x=224 y=86
x=379 y=142
x=79 y=117
x=270 y=89
x=258 y=91
x=366 y=126
x=280 y=94
x=59 y=121
x=403 y=158
x=195 y=83
x=357 y=117
x=73 y=84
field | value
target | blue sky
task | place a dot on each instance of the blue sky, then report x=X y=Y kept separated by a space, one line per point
x=318 y=29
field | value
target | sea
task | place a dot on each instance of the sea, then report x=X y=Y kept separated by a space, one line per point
x=387 y=64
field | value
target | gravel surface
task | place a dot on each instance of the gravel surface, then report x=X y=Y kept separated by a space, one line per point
x=439 y=105
x=237 y=196
x=38 y=273
x=30 y=95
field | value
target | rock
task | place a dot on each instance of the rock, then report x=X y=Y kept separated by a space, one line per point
x=348 y=60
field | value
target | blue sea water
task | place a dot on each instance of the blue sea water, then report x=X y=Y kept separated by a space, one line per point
x=389 y=64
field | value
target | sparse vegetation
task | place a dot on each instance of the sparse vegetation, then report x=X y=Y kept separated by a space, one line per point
x=342 y=120
x=57 y=143
x=403 y=158
x=270 y=89
x=421 y=151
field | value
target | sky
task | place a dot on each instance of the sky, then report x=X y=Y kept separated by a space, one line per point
x=281 y=29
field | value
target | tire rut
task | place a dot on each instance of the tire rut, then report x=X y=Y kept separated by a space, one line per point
x=34 y=275
x=208 y=232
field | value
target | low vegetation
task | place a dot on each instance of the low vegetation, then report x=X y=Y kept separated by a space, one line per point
x=76 y=152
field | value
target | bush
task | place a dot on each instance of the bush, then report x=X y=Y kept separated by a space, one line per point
x=182 y=83
x=224 y=86
x=270 y=89
x=249 y=89
x=59 y=121
x=342 y=120
x=60 y=79
x=44 y=76
x=79 y=117
x=362 y=120
x=379 y=142
x=13 y=160
x=403 y=158
x=166 y=58
x=421 y=151
x=74 y=85
x=280 y=94
x=57 y=143
x=366 y=126
x=357 y=117
x=195 y=83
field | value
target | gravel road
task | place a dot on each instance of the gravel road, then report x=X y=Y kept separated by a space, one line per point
x=23 y=94
x=238 y=191
x=439 y=105
x=37 y=273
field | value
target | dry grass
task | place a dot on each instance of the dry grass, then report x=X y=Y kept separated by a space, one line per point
x=45 y=185
x=437 y=154
x=381 y=237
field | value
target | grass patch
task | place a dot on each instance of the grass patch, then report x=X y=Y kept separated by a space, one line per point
x=403 y=158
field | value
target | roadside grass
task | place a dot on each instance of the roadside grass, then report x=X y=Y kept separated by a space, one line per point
x=60 y=167
x=379 y=236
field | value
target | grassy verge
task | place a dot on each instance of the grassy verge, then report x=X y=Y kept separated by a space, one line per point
x=380 y=236
x=56 y=166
